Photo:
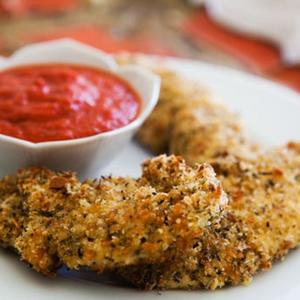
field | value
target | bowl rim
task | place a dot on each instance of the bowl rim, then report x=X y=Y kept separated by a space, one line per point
x=113 y=67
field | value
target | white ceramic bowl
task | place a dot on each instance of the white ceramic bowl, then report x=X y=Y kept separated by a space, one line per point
x=86 y=156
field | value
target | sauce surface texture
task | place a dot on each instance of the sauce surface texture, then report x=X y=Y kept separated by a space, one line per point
x=41 y=103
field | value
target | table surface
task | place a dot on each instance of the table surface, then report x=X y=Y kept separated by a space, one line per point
x=123 y=19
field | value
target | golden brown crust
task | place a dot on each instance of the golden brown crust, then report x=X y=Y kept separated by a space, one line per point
x=115 y=222
x=261 y=222
x=260 y=225
x=187 y=122
x=11 y=211
x=154 y=134
x=176 y=94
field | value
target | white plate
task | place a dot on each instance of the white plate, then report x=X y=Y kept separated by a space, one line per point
x=271 y=113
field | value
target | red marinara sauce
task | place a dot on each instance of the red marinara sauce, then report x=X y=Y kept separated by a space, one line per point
x=41 y=103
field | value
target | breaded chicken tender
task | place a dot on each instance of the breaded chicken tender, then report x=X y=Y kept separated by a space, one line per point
x=261 y=222
x=45 y=193
x=186 y=120
x=176 y=94
x=154 y=133
x=259 y=226
x=207 y=132
x=11 y=212
x=115 y=222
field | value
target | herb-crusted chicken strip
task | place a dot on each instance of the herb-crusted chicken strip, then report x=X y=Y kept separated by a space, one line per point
x=11 y=211
x=175 y=95
x=115 y=222
x=186 y=120
x=45 y=193
x=259 y=226
x=205 y=133
x=261 y=222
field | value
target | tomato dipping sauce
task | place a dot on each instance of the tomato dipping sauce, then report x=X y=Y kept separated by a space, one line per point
x=41 y=103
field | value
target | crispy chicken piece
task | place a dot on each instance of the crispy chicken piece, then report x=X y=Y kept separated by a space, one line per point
x=115 y=222
x=186 y=120
x=11 y=212
x=260 y=225
x=261 y=222
x=45 y=193
x=176 y=94
x=205 y=133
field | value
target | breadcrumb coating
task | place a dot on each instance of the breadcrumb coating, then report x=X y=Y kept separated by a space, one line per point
x=115 y=222
x=187 y=122
x=210 y=131
x=154 y=133
x=260 y=225
x=11 y=212
x=176 y=94
x=261 y=222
